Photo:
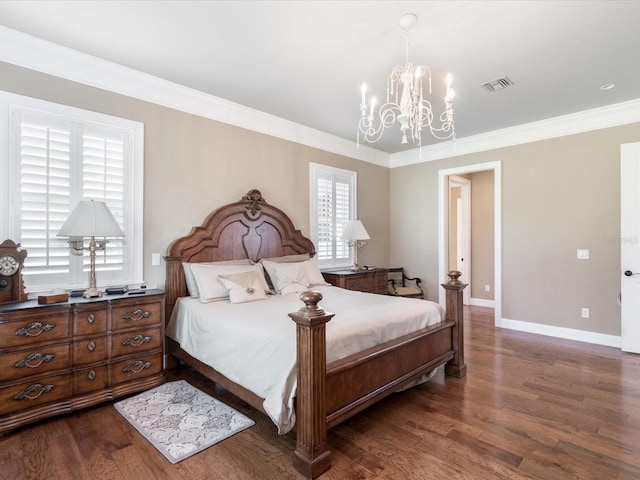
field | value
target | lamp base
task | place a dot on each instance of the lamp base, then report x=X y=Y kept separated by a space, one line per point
x=355 y=267
x=92 y=292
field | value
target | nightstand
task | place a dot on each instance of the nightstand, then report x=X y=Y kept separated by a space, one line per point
x=371 y=281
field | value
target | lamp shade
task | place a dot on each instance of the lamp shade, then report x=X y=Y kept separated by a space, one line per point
x=354 y=230
x=91 y=219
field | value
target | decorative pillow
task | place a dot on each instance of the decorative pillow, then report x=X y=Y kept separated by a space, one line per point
x=289 y=278
x=209 y=284
x=243 y=287
x=192 y=287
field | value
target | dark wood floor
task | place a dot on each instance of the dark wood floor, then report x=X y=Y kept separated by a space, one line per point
x=531 y=407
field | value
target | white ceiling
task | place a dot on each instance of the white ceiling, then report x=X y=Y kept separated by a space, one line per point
x=304 y=61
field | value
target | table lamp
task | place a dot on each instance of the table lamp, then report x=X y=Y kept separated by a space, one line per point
x=355 y=234
x=90 y=219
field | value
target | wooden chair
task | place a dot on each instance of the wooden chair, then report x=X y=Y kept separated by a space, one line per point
x=402 y=286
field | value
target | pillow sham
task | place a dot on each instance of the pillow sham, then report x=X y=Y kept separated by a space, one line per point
x=297 y=257
x=290 y=278
x=243 y=287
x=190 y=280
x=312 y=273
x=209 y=284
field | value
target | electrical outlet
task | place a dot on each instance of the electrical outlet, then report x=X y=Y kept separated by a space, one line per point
x=487 y=288
x=583 y=254
x=585 y=312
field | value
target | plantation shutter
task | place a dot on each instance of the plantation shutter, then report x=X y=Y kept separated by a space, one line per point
x=57 y=161
x=45 y=193
x=334 y=206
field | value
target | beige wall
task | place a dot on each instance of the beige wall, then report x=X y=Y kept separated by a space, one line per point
x=193 y=165
x=558 y=196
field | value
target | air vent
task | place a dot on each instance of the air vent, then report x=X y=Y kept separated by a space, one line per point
x=497 y=84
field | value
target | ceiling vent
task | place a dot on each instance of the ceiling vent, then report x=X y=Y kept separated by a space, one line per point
x=498 y=84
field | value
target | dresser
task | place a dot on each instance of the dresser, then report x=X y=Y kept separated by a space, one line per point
x=372 y=281
x=61 y=357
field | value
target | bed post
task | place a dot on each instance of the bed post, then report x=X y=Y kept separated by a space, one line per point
x=311 y=457
x=454 y=287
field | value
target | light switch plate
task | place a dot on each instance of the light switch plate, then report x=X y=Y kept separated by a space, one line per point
x=155 y=259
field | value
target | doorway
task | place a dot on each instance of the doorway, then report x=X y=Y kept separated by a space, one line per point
x=444 y=208
x=460 y=231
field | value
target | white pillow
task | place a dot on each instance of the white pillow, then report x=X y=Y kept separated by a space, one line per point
x=310 y=268
x=190 y=280
x=314 y=275
x=289 y=278
x=209 y=284
x=243 y=287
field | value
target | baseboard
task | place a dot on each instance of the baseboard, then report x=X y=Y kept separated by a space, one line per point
x=561 y=332
x=481 y=302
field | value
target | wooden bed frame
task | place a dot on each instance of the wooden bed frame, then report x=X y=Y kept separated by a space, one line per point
x=327 y=394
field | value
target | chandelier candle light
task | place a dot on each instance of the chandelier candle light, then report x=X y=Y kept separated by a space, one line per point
x=406 y=102
x=90 y=219
x=355 y=234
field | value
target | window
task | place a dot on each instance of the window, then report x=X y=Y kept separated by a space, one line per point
x=333 y=204
x=54 y=157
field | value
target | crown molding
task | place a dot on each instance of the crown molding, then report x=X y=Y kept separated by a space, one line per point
x=580 y=122
x=30 y=52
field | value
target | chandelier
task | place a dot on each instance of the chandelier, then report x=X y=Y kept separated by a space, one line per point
x=406 y=103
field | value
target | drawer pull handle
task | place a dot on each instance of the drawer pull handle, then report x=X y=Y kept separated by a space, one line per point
x=38 y=358
x=36 y=388
x=34 y=329
x=91 y=346
x=136 y=315
x=91 y=375
x=91 y=318
x=137 y=366
x=137 y=340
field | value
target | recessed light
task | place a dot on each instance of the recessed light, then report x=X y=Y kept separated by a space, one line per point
x=607 y=86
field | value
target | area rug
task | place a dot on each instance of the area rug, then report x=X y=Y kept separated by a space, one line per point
x=180 y=420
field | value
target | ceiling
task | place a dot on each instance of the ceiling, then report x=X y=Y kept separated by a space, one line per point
x=304 y=61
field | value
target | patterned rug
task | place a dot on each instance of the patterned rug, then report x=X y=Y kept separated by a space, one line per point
x=180 y=420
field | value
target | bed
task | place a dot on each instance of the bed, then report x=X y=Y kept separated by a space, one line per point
x=328 y=387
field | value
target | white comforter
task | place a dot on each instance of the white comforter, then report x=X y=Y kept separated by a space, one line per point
x=254 y=344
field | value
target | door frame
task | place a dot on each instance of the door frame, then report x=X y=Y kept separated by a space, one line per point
x=443 y=227
x=629 y=250
x=463 y=231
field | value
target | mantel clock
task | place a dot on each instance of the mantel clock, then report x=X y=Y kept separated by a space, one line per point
x=11 y=263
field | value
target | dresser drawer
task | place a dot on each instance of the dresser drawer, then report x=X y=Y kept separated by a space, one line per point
x=90 y=321
x=35 y=361
x=136 y=314
x=41 y=327
x=90 y=379
x=37 y=392
x=90 y=350
x=135 y=341
x=135 y=368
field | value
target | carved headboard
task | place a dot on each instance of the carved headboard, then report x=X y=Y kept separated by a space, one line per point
x=250 y=228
